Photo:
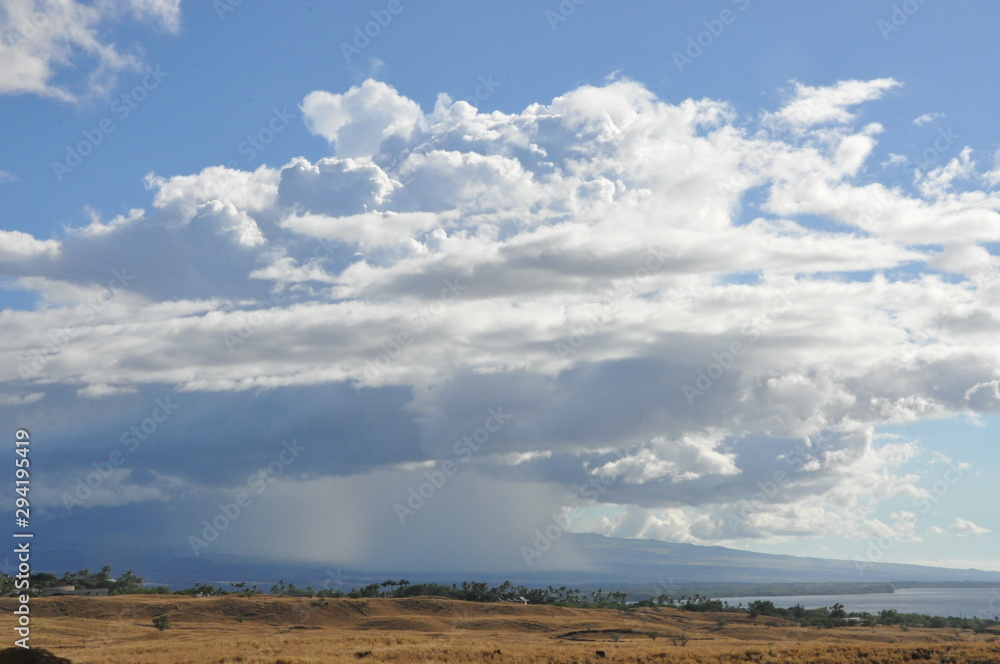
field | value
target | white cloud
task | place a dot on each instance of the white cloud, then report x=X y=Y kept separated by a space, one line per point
x=165 y=12
x=984 y=397
x=927 y=118
x=828 y=104
x=224 y=220
x=939 y=181
x=360 y=120
x=16 y=246
x=970 y=260
x=97 y=391
x=962 y=526
x=686 y=459
x=992 y=177
x=183 y=195
x=367 y=231
x=20 y=399
x=579 y=264
x=42 y=37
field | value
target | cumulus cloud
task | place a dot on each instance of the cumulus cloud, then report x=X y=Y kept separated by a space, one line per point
x=360 y=120
x=16 y=246
x=697 y=368
x=962 y=526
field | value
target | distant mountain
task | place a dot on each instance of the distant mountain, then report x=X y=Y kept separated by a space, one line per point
x=648 y=561
x=640 y=565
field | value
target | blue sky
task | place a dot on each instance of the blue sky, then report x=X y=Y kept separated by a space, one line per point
x=635 y=189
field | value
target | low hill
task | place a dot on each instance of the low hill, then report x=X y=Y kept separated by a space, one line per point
x=272 y=630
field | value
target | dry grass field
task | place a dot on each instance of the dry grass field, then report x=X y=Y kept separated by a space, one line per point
x=281 y=630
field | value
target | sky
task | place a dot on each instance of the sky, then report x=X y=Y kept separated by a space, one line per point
x=409 y=284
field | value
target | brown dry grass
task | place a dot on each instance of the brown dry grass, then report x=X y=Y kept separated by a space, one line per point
x=272 y=630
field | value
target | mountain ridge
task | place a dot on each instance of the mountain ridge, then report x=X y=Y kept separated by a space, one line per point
x=602 y=561
x=696 y=563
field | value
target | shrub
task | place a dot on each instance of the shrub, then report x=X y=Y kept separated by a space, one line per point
x=161 y=622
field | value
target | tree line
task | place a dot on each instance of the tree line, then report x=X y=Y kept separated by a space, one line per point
x=82 y=579
x=476 y=591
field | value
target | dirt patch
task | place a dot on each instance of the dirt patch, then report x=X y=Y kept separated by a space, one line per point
x=597 y=634
x=404 y=624
x=501 y=624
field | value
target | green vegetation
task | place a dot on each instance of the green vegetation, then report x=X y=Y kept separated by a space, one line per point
x=208 y=590
x=767 y=589
x=473 y=591
x=827 y=617
x=835 y=616
x=127 y=583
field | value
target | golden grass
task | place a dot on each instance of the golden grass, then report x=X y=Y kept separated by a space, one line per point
x=271 y=630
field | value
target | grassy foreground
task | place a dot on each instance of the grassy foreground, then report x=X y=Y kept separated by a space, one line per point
x=284 y=630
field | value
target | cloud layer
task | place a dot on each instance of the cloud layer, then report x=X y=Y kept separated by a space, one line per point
x=678 y=310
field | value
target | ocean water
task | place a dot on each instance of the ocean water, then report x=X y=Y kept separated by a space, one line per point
x=960 y=602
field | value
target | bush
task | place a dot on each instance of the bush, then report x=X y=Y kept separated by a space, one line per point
x=161 y=622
